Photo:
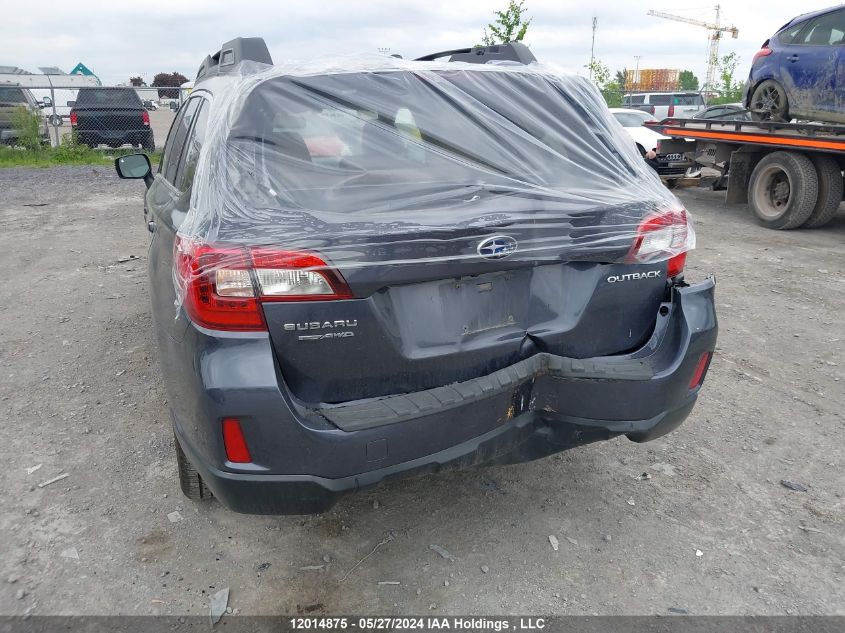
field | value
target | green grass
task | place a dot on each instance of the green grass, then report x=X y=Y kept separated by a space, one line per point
x=65 y=154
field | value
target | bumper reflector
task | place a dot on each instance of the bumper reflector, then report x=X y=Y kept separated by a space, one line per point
x=700 y=370
x=234 y=441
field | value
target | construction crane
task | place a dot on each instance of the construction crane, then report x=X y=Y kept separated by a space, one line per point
x=716 y=30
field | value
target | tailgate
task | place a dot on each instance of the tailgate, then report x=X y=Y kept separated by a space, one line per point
x=111 y=119
x=415 y=336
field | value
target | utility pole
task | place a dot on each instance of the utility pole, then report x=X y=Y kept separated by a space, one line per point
x=637 y=73
x=593 y=46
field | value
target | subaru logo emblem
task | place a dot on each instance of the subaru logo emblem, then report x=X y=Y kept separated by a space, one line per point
x=497 y=247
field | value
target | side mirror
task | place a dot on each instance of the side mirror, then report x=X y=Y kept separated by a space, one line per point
x=46 y=102
x=134 y=166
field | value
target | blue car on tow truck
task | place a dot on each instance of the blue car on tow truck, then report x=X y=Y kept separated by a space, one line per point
x=799 y=72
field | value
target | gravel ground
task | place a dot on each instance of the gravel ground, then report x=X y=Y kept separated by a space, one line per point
x=713 y=531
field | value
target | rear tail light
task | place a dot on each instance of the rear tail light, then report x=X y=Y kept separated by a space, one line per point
x=764 y=51
x=224 y=286
x=661 y=236
x=74 y=118
x=700 y=370
x=671 y=110
x=234 y=442
x=145 y=118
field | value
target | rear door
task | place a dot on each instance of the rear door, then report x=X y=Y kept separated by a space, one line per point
x=661 y=103
x=812 y=66
x=168 y=200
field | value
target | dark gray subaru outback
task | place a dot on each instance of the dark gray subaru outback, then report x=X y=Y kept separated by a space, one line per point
x=372 y=267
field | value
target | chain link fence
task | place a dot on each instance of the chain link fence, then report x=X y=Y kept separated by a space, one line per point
x=99 y=117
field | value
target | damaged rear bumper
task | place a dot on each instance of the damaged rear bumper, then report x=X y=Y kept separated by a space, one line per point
x=539 y=406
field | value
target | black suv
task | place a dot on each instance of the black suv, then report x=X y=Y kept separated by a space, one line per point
x=111 y=116
x=395 y=267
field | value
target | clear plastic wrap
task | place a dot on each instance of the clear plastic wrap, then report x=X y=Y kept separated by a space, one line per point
x=383 y=162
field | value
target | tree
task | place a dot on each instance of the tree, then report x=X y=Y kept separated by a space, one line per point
x=610 y=89
x=510 y=25
x=167 y=80
x=621 y=78
x=137 y=81
x=687 y=80
x=729 y=90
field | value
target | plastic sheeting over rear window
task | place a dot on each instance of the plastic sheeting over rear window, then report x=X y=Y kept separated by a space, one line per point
x=381 y=162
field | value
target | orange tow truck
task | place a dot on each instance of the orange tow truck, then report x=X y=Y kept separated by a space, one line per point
x=790 y=174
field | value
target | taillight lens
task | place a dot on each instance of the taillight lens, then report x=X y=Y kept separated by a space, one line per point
x=145 y=117
x=74 y=118
x=223 y=286
x=765 y=51
x=671 y=110
x=665 y=235
x=700 y=370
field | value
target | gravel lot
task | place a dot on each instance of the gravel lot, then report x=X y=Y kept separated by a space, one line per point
x=80 y=394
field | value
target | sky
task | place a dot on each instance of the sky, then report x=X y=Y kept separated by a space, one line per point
x=122 y=39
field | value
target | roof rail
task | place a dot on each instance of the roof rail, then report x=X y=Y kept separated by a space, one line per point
x=511 y=51
x=232 y=52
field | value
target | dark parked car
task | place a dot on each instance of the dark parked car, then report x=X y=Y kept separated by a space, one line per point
x=799 y=73
x=111 y=116
x=400 y=267
x=725 y=112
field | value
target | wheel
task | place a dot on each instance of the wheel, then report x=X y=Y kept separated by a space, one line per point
x=149 y=144
x=783 y=190
x=830 y=190
x=671 y=183
x=56 y=120
x=769 y=102
x=190 y=481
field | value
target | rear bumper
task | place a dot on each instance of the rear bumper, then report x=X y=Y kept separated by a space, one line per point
x=304 y=459
x=525 y=438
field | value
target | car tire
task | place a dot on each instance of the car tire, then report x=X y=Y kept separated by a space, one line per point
x=149 y=145
x=769 y=102
x=829 y=175
x=783 y=190
x=56 y=120
x=190 y=481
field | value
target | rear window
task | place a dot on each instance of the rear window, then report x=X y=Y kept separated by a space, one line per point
x=660 y=100
x=688 y=100
x=108 y=98
x=11 y=95
x=634 y=100
x=632 y=119
x=353 y=141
